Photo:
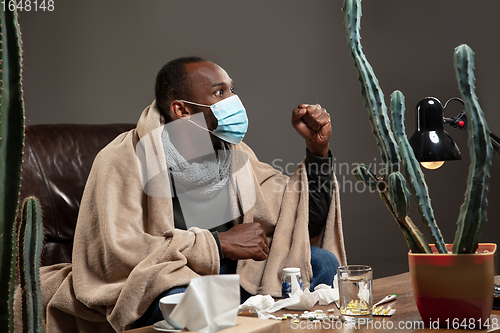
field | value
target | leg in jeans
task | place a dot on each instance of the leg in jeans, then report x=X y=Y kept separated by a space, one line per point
x=324 y=265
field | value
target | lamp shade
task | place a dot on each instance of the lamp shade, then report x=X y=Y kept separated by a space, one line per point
x=430 y=142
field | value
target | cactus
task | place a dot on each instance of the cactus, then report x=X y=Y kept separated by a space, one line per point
x=393 y=193
x=396 y=195
x=413 y=172
x=370 y=89
x=366 y=175
x=11 y=154
x=31 y=241
x=473 y=211
x=396 y=198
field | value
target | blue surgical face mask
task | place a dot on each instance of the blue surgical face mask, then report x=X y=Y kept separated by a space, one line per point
x=231 y=118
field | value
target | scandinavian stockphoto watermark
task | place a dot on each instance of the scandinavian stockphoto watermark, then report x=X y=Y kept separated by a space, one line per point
x=345 y=180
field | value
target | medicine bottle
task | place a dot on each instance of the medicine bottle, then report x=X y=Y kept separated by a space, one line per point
x=290 y=280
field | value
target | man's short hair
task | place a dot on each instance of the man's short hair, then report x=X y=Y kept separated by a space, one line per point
x=172 y=83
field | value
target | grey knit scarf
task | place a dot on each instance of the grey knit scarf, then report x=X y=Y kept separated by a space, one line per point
x=199 y=179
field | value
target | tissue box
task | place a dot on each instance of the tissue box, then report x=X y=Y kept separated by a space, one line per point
x=253 y=325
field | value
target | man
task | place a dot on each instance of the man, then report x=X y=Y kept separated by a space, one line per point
x=135 y=239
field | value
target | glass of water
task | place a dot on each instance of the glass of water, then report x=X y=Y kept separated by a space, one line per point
x=355 y=292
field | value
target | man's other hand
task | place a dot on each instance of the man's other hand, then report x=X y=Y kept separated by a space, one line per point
x=313 y=123
x=244 y=241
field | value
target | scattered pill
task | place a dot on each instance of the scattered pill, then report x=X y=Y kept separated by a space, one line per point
x=331 y=310
x=295 y=321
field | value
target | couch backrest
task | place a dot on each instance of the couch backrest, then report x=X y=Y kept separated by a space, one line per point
x=57 y=162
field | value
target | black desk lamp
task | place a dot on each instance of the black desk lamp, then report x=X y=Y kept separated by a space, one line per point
x=430 y=142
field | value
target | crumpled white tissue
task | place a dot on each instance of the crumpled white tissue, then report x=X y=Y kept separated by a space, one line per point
x=326 y=294
x=210 y=303
x=299 y=300
x=258 y=304
x=364 y=291
x=306 y=300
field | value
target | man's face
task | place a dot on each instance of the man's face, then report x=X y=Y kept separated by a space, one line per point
x=209 y=84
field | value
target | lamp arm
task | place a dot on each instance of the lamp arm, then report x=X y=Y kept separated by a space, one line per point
x=460 y=122
x=454 y=122
x=495 y=141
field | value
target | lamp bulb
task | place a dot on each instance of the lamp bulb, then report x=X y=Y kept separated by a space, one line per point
x=432 y=165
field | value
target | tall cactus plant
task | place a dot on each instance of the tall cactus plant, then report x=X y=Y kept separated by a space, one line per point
x=396 y=149
x=473 y=211
x=11 y=155
x=393 y=195
x=413 y=172
x=30 y=242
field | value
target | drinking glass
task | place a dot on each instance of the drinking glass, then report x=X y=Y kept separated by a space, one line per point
x=355 y=293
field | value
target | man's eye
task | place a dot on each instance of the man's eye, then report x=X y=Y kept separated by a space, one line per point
x=219 y=92
x=232 y=90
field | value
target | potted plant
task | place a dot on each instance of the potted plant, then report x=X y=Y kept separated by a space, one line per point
x=30 y=235
x=451 y=283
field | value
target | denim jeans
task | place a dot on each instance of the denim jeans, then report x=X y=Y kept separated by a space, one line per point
x=324 y=265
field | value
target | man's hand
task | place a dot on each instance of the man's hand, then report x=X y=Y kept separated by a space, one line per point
x=244 y=241
x=313 y=123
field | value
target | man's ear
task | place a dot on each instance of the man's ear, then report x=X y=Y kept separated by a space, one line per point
x=178 y=109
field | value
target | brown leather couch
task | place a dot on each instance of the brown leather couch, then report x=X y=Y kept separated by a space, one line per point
x=57 y=163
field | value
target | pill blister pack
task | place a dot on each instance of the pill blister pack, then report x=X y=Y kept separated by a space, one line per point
x=380 y=311
x=377 y=311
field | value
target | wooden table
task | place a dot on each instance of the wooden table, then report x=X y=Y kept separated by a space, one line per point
x=406 y=317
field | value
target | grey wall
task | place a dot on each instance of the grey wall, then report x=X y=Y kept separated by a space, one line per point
x=96 y=61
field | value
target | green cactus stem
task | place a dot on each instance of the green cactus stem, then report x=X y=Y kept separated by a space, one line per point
x=11 y=154
x=473 y=211
x=370 y=89
x=414 y=238
x=366 y=175
x=398 y=194
x=394 y=195
x=413 y=172
x=31 y=241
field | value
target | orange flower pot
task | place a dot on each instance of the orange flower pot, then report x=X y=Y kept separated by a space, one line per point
x=451 y=288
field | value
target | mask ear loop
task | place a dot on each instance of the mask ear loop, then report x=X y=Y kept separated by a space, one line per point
x=207 y=106
x=206 y=129
x=224 y=149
